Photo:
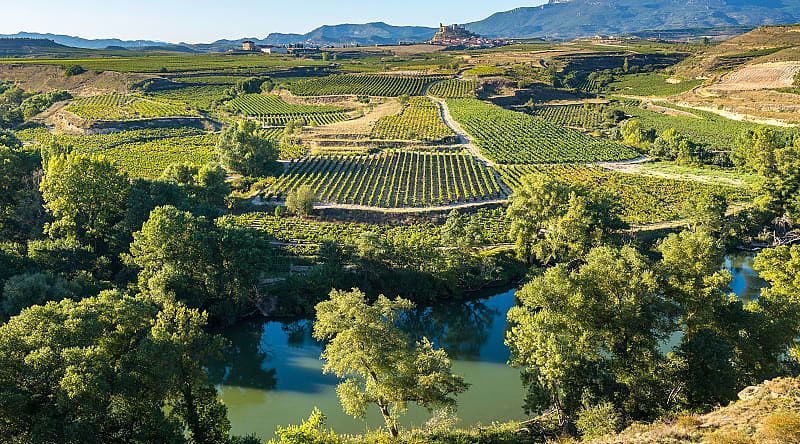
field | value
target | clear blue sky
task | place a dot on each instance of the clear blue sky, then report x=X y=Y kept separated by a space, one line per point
x=207 y=20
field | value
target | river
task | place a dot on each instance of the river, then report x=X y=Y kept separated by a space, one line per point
x=272 y=376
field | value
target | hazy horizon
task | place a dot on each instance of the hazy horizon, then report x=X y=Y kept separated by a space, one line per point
x=203 y=21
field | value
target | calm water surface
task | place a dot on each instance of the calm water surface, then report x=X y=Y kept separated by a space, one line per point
x=272 y=376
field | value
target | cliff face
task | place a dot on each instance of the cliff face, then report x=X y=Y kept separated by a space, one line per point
x=768 y=413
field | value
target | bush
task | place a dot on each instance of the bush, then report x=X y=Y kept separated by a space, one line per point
x=74 y=70
x=301 y=201
x=310 y=431
x=597 y=421
x=730 y=437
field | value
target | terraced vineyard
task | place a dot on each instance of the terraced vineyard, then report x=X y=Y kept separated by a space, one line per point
x=149 y=159
x=644 y=199
x=127 y=107
x=270 y=110
x=392 y=179
x=363 y=85
x=200 y=97
x=454 y=89
x=421 y=119
x=511 y=137
x=576 y=116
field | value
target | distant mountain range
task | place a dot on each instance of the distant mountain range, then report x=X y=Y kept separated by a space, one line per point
x=556 y=19
x=582 y=18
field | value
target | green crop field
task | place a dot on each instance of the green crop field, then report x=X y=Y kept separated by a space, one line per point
x=512 y=137
x=270 y=110
x=651 y=84
x=644 y=199
x=577 y=116
x=421 y=119
x=127 y=107
x=363 y=85
x=392 y=179
x=454 y=89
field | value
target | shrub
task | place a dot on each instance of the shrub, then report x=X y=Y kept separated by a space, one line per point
x=310 y=431
x=301 y=201
x=74 y=70
x=596 y=421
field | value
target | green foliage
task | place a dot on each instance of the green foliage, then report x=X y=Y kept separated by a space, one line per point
x=309 y=431
x=86 y=197
x=301 y=201
x=214 y=267
x=634 y=134
x=461 y=231
x=552 y=221
x=378 y=362
x=251 y=85
x=670 y=145
x=643 y=198
x=780 y=267
x=589 y=329
x=776 y=159
x=242 y=150
x=74 y=70
x=25 y=290
x=597 y=421
x=20 y=199
x=117 y=369
x=512 y=137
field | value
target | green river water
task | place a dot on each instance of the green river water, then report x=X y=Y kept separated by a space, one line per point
x=272 y=376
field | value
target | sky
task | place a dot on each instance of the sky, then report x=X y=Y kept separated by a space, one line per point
x=195 y=21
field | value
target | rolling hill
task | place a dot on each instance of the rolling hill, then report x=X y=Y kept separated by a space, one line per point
x=580 y=18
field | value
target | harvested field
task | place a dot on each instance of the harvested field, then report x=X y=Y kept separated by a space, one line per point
x=760 y=76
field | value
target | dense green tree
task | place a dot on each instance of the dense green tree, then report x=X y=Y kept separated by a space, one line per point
x=205 y=186
x=242 y=150
x=25 y=290
x=110 y=369
x=21 y=211
x=461 y=231
x=670 y=145
x=780 y=301
x=301 y=201
x=776 y=160
x=379 y=362
x=215 y=267
x=553 y=222
x=590 y=330
x=86 y=197
x=636 y=135
x=706 y=211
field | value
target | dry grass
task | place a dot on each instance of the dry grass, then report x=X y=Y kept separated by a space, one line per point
x=765 y=414
x=48 y=78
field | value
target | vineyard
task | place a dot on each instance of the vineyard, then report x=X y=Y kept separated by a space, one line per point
x=199 y=97
x=363 y=85
x=421 y=119
x=270 y=110
x=149 y=159
x=511 y=137
x=454 y=89
x=576 y=116
x=392 y=179
x=126 y=107
x=644 y=199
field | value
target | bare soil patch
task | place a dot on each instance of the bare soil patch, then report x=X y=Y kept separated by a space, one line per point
x=45 y=78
